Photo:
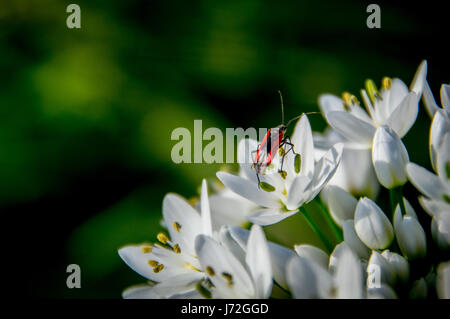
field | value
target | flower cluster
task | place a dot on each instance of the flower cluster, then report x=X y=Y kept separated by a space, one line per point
x=217 y=248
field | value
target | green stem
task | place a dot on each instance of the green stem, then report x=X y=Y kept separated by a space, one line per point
x=316 y=229
x=337 y=231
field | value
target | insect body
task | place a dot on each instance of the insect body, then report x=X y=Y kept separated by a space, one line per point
x=273 y=142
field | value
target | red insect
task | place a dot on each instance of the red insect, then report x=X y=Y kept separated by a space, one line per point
x=273 y=142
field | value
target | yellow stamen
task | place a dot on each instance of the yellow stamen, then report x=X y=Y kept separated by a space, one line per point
x=176 y=248
x=283 y=174
x=158 y=268
x=153 y=263
x=210 y=271
x=177 y=226
x=386 y=83
x=162 y=238
x=146 y=249
x=349 y=100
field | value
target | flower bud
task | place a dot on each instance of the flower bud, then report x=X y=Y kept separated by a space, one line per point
x=389 y=157
x=372 y=226
x=340 y=203
x=382 y=270
x=353 y=241
x=410 y=234
x=399 y=263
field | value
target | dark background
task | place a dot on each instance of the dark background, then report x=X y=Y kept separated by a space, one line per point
x=86 y=114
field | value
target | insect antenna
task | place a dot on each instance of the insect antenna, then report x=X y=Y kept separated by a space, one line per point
x=293 y=119
x=282 y=107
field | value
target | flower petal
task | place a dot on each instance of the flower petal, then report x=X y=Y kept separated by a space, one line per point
x=340 y=203
x=429 y=101
x=269 y=216
x=404 y=115
x=445 y=97
x=183 y=221
x=351 y=127
x=353 y=241
x=349 y=276
x=372 y=226
x=312 y=253
x=425 y=181
x=279 y=255
x=303 y=141
x=143 y=291
x=258 y=261
x=211 y=254
x=325 y=169
x=206 y=212
x=307 y=280
x=249 y=190
x=329 y=103
x=419 y=79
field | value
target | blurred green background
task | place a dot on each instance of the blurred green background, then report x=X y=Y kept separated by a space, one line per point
x=86 y=114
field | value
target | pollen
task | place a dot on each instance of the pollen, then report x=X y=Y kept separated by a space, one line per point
x=386 y=83
x=283 y=174
x=229 y=278
x=153 y=263
x=176 y=226
x=158 y=268
x=281 y=151
x=146 y=249
x=176 y=248
x=210 y=271
x=162 y=238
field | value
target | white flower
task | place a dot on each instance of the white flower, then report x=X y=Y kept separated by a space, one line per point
x=436 y=188
x=173 y=265
x=389 y=157
x=372 y=226
x=409 y=233
x=281 y=194
x=394 y=106
x=229 y=277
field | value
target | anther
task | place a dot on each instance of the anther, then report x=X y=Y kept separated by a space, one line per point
x=158 y=268
x=162 y=238
x=228 y=278
x=177 y=226
x=386 y=83
x=153 y=263
x=210 y=271
x=146 y=249
x=283 y=174
x=176 y=248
